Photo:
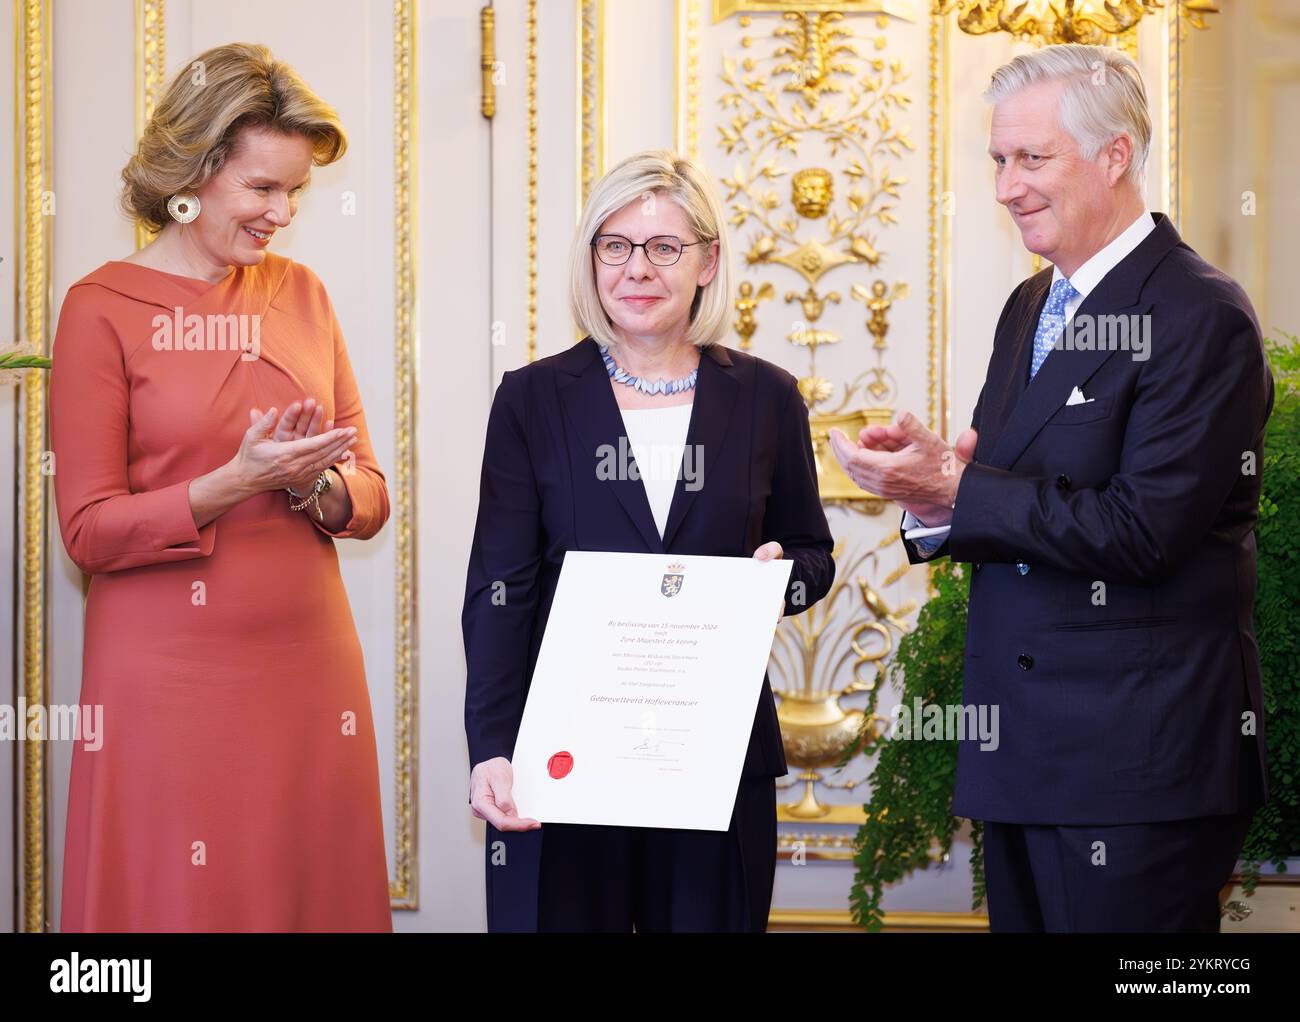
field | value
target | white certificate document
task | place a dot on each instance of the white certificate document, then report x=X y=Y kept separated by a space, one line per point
x=645 y=689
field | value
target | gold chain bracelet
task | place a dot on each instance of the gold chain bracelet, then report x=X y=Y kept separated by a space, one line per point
x=323 y=483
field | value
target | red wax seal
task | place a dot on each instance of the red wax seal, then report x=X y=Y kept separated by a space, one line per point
x=559 y=765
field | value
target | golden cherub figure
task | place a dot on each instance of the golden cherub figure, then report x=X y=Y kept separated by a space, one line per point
x=746 y=303
x=879 y=299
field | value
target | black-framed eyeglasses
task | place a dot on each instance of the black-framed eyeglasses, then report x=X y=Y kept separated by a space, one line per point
x=662 y=250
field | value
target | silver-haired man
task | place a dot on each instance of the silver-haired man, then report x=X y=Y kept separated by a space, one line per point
x=1105 y=497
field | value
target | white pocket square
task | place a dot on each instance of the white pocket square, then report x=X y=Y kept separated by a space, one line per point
x=1077 y=398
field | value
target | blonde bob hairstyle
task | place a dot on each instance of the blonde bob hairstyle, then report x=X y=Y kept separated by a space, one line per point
x=686 y=183
x=196 y=125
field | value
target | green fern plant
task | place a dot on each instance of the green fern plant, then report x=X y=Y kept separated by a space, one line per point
x=909 y=817
x=1274 y=834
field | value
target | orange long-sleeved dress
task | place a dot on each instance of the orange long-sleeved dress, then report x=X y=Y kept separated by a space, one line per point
x=237 y=786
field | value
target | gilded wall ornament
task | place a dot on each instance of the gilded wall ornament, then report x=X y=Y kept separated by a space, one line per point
x=746 y=304
x=816 y=728
x=815 y=42
x=1092 y=22
x=816 y=84
x=811 y=192
x=879 y=299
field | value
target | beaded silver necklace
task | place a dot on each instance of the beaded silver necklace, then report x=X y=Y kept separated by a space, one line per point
x=660 y=386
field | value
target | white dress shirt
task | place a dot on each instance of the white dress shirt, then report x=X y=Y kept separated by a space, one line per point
x=657 y=437
x=1085 y=280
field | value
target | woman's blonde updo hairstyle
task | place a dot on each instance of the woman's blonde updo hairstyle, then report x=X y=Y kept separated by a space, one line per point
x=195 y=126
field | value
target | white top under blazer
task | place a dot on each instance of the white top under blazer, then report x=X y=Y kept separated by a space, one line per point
x=657 y=437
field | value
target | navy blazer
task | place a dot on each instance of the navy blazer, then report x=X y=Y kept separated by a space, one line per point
x=540 y=495
x=1123 y=702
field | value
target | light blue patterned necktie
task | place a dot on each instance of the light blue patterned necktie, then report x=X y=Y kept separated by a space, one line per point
x=1052 y=322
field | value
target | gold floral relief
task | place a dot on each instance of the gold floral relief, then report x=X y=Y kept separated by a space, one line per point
x=818 y=86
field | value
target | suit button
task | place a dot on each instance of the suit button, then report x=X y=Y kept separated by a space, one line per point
x=1022 y=567
x=1024 y=661
x=1063 y=481
x=978 y=565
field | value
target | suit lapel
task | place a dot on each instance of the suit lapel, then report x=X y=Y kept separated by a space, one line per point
x=1119 y=293
x=590 y=406
x=1009 y=367
x=715 y=397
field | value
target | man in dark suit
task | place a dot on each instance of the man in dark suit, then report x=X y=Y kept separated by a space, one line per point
x=1105 y=497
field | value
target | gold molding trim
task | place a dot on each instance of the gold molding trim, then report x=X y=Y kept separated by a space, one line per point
x=591 y=97
x=404 y=888
x=1173 y=140
x=150 y=63
x=686 y=65
x=840 y=920
x=945 y=253
x=938 y=234
x=32 y=39
x=487 y=23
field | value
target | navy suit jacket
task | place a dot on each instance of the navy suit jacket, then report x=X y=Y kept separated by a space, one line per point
x=1128 y=710
x=540 y=496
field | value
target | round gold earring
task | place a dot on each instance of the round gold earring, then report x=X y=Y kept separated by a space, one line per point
x=183 y=207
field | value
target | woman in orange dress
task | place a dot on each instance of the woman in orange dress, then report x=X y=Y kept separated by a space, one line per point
x=194 y=382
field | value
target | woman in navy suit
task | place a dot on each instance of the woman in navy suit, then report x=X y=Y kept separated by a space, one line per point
x=716 y=459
